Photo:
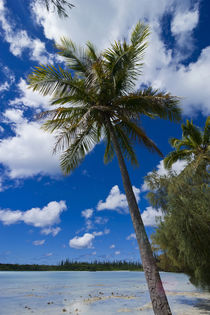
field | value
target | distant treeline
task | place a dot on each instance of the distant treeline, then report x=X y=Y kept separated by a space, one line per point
x=67 y=265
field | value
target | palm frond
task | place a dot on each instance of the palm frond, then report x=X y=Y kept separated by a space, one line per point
x=190 y=130
x=109 y=151
x=83 y=143
x=206 y=134
x=136 y=133
x=59 y=83
x=126 y=145
x=174 y=156
x=185 y=143
x=151 y=103
x=124 y=60
x=59 y=5
x=75 y=56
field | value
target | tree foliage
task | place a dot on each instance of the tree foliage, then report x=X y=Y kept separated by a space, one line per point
x=70 y=265
x=184 y=234
x=101 y=87
x=194 y=145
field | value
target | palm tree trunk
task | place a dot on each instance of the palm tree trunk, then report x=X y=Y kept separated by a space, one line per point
x=157 y=294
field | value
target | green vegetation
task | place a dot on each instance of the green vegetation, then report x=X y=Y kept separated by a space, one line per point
x=68 y=265
x=194 y=145
x=99 y=101
x=184 y=234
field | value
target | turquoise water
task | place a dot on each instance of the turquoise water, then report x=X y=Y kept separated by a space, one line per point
x=91 y=293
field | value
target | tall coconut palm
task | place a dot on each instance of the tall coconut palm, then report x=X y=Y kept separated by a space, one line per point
x=193 y=147
x=98 y=91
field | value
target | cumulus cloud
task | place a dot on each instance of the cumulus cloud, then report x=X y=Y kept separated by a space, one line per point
x=84 y=241
x=117 y=252
x=19 y=40
x=45 y=217
x=150 y=216
x=87 y=213
x=8 y=217
x=187 y=82
x=51 y=230
x=14 y=116
x=30 y=98
x=29 y=152
x=114 y=20
x=117 y=200
x=112 y=246
x=39 y=242
x=184 y=21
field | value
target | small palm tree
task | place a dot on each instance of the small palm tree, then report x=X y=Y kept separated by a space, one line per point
x=193 y=147
x=98 y=91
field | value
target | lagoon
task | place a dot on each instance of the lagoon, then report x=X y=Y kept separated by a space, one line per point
x=94 y=293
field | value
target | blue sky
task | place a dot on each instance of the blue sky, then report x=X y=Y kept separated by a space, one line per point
x=45 y=216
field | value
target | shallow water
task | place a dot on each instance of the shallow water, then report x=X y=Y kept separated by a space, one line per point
x=94 y=293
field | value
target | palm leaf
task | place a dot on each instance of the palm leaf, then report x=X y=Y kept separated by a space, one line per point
x=151 y=103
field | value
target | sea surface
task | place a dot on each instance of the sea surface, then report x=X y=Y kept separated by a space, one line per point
x=94 y=293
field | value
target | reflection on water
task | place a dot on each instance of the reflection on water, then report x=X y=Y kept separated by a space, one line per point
x=94 y=293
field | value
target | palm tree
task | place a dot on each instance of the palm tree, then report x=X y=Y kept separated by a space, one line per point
x=193 y=147
x=98 y=91
x=59 y=5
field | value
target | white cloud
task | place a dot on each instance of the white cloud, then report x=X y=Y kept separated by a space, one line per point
x=45 y=217
x=94 y=253
x=117 y=200
x=30 y=98
x=20 y=41
x=39 y=242
x=14 y=115
x=112 y=246
x=100 y=233
x=150 y=215
x=144 y=187
x=106 y=21
x=51 y=230
x=131 y=236
x=89 y=224
x=8 y=217
x=87 y=213
x=100 y=220
x=117 y=252
x=84 y=241
x=4 y=87
x=29 y=152
x=110 y=20
x=184 y=22
x=177 y=167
